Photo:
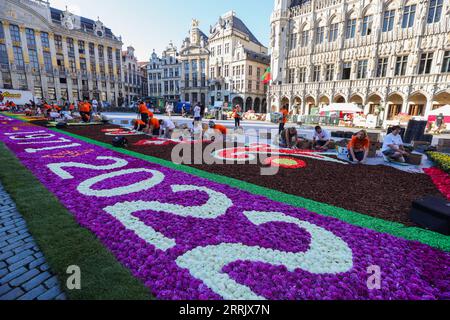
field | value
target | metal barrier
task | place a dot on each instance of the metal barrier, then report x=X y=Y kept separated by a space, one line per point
x=321 y=120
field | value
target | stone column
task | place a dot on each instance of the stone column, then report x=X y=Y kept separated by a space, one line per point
x=57 y=85
x=26 y=59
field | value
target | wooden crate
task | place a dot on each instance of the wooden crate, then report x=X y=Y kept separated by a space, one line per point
x=414 y=159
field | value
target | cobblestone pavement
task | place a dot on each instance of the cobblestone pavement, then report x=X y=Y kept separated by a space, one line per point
x=24 y=273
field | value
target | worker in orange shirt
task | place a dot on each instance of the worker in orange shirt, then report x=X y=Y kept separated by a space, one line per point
x=139 y=125
x=71 y=107
x=144 y=112
x=56 y=108
x=218 y=128
x=237 y=116
x=284 y=118
x=85 y=111
x=154 y=126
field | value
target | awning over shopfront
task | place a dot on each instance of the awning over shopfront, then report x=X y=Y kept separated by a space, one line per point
x=445 y=110
x=342 y=107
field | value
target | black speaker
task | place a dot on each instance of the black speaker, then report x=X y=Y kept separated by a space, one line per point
x=415 y=131
x=432 y=213
x=120 y=142
x=61 y=125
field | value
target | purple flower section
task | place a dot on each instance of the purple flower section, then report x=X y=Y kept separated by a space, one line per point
x=410 y=270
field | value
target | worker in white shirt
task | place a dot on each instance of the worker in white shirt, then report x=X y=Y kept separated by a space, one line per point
x=168 y=126
x=321 y=138
x=393 y=147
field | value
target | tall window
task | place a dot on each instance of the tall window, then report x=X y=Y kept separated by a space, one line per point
x=446 y=62
x=409 y=15
x=346 y=70
x=48 y=62
x=2 y=31
x=3 y=56
x=81 y=47
x=18 y=57
x=330 y=72
x=92 y=49
x=316 y=74
x=366 y=29
x=31 y=40
x=15 y=33
x=227 y=48
x=291 y=75
x=70 y=47
x=44 y=40
x=388 y=20
x=34 y=62
x=426 y=61
x=58 y=42
x=400 y=65
x=435 y=11
x=302 y=75
x=293 y=41
x=305 y=38
x=382 y=67
x=320 y=34
x=334 y=29
x=362 y=69
x=351 y=29
x=101 y=52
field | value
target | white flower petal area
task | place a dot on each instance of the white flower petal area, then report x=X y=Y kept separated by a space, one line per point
x=217 y=205
x=328 y=254
x=57 y=168
x=35 y=136
x=86 y=186
x=124 y=213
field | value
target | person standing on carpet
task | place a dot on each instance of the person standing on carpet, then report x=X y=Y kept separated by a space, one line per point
x=145 y=114
x=358 y=147
x=94 y=105
x=197 y=113
x=237 y=116
x=283 y=119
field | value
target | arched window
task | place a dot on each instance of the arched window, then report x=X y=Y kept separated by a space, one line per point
x=333 y=30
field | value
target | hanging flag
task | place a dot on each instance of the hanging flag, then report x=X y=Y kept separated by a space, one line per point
x=267 y=76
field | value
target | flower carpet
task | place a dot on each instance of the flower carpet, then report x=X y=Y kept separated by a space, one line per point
x=187 y=237
x=377 y=191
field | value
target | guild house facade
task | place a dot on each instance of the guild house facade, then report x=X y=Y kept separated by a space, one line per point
x=389 y=57
x=57 y=55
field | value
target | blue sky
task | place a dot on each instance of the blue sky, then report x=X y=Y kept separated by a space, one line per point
x=151 y=24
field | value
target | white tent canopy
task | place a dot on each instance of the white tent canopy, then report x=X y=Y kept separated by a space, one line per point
x=342 y=107
x=445 y=110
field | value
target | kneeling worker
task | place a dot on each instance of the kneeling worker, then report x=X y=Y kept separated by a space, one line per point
x=168 y=126
x=289 y=138
x=321 y=139
x=85 y=111
x=393 y=147
x=154 y=126
x=139 y=125
x=218 y=128
x=358 y=147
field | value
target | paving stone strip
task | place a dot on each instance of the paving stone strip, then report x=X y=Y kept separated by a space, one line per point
x=24 y=273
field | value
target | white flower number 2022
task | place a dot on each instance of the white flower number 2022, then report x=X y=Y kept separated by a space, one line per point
x=328 y=254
